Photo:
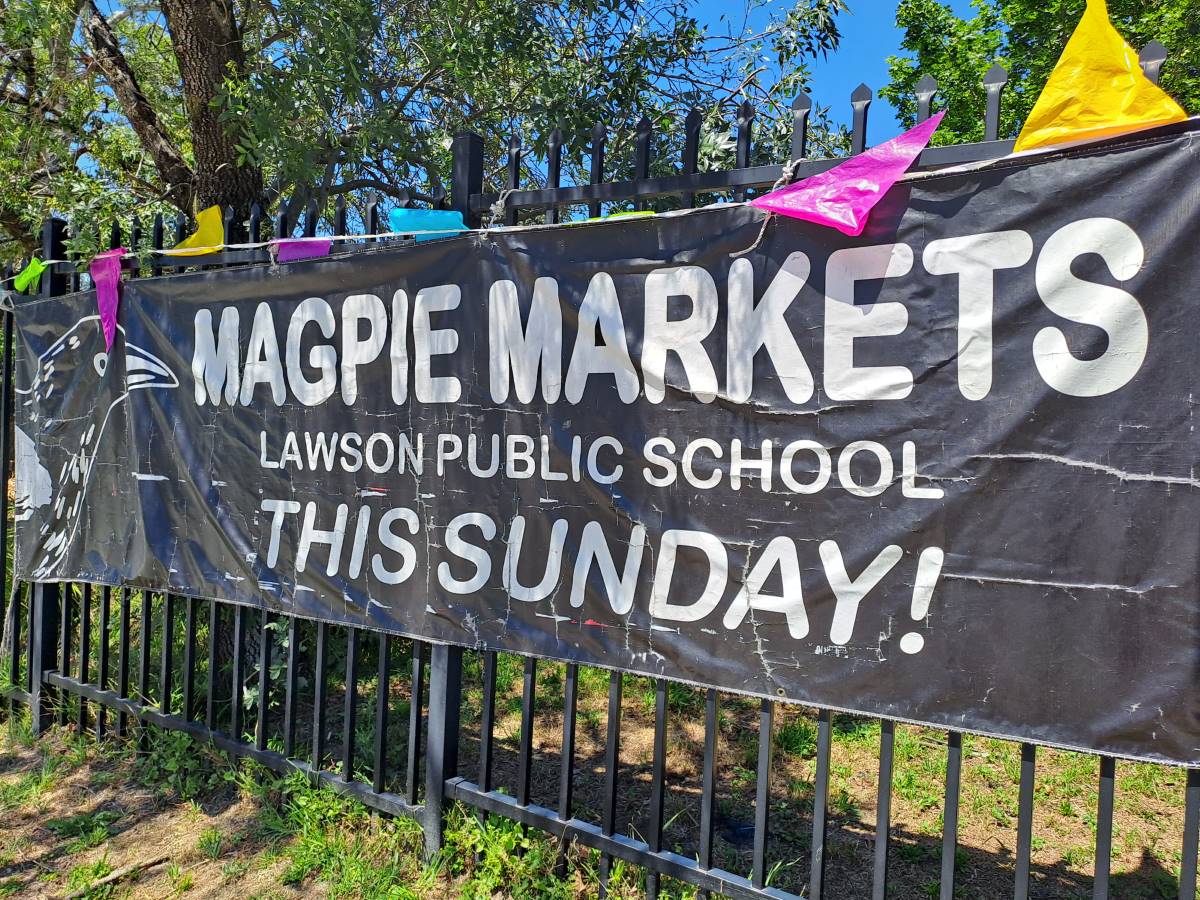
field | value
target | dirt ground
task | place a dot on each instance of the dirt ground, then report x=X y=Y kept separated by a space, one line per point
x=70 y=799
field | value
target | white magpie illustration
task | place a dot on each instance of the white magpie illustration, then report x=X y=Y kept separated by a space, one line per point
x=41 y=478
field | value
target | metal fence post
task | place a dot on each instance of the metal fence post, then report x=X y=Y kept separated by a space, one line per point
x=44 y=602
x=441 y=748
x=467 y=177
x=43 y=655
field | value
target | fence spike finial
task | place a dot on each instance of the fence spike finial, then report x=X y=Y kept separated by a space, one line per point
x=1152 y=57
x=993 y=84
x=925 y=90
x=801 y=109
x=860 y=100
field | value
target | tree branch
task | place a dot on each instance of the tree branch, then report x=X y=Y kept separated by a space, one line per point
x=110 y=60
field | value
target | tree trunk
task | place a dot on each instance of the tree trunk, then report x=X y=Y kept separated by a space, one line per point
x=208 y=49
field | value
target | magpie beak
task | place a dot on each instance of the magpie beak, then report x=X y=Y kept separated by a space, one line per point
x=145 y=370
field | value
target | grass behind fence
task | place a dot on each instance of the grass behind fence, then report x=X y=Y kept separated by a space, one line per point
x=1147 y=822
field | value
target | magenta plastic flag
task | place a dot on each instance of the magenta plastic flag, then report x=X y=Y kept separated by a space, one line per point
x=291 y=249
x=105 y=270
x=843 y=197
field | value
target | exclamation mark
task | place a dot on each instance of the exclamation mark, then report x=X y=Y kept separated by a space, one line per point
x=929 y=567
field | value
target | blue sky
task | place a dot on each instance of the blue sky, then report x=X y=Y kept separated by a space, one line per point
x=869 y=37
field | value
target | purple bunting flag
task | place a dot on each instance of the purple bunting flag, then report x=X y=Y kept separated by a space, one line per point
x=105 y=270
x=292 y=249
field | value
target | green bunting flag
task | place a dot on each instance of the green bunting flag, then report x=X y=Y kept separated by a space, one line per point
x=30 y=275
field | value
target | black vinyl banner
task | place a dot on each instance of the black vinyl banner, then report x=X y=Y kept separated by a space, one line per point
x=943 y=472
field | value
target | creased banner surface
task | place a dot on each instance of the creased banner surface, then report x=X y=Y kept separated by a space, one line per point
x=943 y=471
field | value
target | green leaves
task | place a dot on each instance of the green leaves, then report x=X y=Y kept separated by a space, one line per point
x=1026 y=37
x=322 y=98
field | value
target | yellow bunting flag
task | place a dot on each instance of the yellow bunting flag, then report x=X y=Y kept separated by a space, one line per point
x=207 y=238
x=1096 y=90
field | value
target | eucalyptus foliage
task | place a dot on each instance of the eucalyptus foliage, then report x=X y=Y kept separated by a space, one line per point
x=106 y=111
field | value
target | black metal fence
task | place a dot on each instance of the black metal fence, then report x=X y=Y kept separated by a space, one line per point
x=395 y=722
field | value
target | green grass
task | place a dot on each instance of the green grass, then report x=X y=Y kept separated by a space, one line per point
x=81 y=877
x=211 y=843
x=86 y=830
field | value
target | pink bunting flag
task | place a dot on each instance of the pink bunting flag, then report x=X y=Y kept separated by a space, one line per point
x=105 y=270
x=843 y=197
x=292 y=249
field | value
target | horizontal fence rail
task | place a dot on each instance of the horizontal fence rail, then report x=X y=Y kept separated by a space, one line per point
x=406 y=727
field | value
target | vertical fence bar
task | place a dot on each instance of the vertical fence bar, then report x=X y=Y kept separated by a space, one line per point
x=85 y=650
x=292 y=689
x=156 y=242
x=320 y=676
x=762 y=797
x=801 y=110
x=14 y=660
x=883 y=809
x=1104 y=819
x=691 y=152
x=123 y=672
x=487 y=720
x=708 y=782
x=66 y=621
x=6 y=445
x=189 y=658
x=238 y=676
x=566 y=776
x=350 y=710
x=612 y=751
x=566 y=772
x=103 y=662
x=372 y=219
x=339 y=215
x=658 y=777
x=1191 y=836
x=43 y=656
x=31 y=662
x=514 y=177
x=860 y=102
x=525 y=760
x=412 y=771
x=926 y=88
x=993 y=86
x=441 y=757
x=820 y=825
x=950 y=813
x=214 y=636
x=312 y=215
x=261 y=726
x=254 y=229
x=599 y=139
x=145 y=628
x=1025 y=822
x=135 y=239
x=167 y=661
x=643 y=145
x=553 y=171
x=382 y=691
x=745 y=125
x=1152 y=57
